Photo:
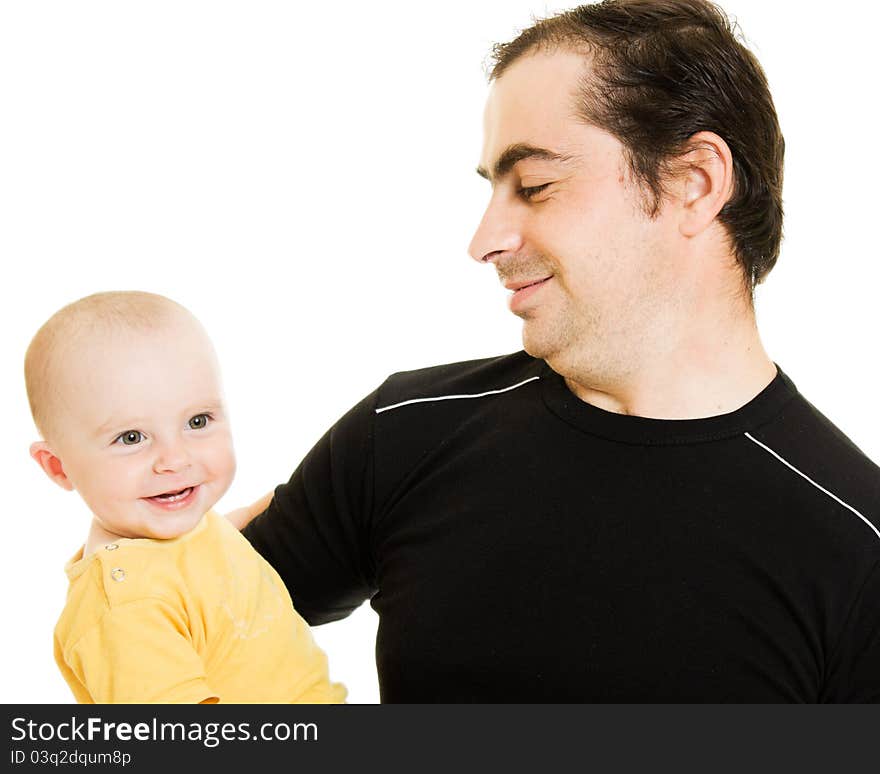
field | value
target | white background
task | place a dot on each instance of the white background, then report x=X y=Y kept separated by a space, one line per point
x=303 y=180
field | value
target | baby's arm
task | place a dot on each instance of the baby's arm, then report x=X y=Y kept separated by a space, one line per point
x=139 y=652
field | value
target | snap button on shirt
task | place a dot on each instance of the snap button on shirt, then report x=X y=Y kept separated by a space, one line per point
x=118 y=574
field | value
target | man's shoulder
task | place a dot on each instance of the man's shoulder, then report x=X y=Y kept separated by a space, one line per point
x=467 y=378
x=801 y=428
x=805 y=442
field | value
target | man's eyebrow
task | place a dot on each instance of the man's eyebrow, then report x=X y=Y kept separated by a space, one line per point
x=516 y=153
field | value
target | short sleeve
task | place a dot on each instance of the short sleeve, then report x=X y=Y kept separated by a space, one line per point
x=854 y=667
x=316 y=531
x=140 y=653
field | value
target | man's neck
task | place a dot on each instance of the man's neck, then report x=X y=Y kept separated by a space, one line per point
x=710 y=368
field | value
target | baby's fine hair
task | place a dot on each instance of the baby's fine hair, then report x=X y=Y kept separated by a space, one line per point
x=97 y=314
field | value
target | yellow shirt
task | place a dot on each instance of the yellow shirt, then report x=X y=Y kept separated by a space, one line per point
x=198 y=618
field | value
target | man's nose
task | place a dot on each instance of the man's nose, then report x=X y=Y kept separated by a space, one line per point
x=499 y=232
x=171 y=457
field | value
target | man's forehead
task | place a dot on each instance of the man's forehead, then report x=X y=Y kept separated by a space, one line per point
x=532 y=103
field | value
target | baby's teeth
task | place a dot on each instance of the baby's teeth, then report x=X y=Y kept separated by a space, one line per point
x=174 y=498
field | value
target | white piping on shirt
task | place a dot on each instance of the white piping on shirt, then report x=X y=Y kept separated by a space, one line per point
x=455 y=397
x=820 y=488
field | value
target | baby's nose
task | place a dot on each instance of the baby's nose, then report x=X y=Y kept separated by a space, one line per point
x=171 y=458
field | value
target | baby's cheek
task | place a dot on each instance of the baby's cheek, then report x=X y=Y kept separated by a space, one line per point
x=224 y=462
x=121 y=476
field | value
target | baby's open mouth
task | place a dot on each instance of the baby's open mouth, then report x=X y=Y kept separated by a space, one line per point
x=172 y=497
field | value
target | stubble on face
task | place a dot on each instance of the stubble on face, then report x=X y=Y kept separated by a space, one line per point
x=599 y=322
x=607 y=306
x=545 y=326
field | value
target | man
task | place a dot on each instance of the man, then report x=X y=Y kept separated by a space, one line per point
x=640 y=506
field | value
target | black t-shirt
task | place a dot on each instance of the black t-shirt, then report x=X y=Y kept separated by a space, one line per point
x=520 y=545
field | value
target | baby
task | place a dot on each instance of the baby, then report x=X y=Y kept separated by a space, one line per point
x=167 y=602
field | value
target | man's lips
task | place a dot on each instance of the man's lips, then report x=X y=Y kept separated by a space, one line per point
x=516 y=285
x=523 y=290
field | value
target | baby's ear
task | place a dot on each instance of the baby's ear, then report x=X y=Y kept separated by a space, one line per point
x=51 y=464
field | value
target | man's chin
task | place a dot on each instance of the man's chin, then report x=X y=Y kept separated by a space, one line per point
x=536 y=342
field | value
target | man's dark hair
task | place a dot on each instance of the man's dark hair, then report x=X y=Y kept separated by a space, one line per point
x=663 y=70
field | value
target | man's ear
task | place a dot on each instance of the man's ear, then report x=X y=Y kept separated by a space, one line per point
x=51 y=464
x=706 y=182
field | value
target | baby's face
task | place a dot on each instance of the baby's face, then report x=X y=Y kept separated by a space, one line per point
x=143 y=433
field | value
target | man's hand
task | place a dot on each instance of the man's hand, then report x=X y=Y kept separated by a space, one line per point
x=240 y=517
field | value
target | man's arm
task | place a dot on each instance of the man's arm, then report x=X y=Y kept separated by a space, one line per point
x=240 y=517
x=853 y=672
x=315 y=530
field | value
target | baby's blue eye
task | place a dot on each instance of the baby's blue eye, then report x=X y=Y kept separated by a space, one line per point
x=131 y=437
x=199 y=421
